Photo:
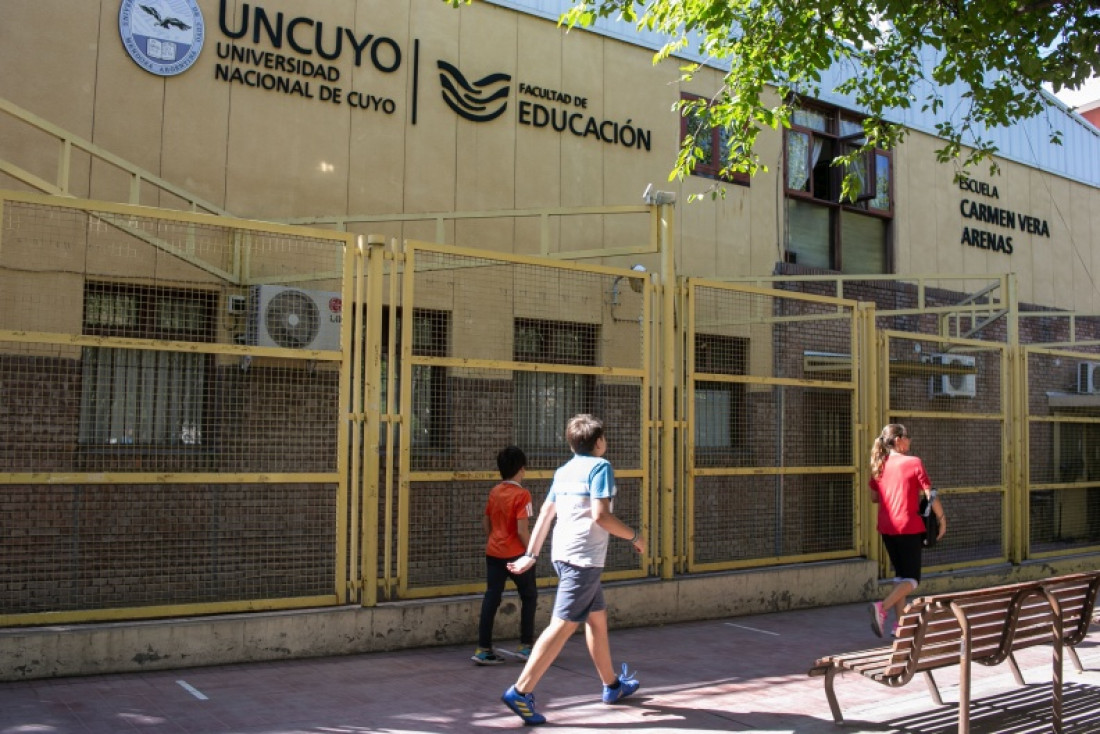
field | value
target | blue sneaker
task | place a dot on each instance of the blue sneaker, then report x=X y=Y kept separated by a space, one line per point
x=523 y=706
x=627 y=685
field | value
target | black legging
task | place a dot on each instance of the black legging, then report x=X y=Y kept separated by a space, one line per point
x=497 y=574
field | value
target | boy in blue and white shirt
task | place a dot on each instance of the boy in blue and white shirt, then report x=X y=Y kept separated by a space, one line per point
x=581 y=500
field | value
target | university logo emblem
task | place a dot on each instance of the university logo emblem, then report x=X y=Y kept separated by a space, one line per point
x=163 y=37
x=480 y=101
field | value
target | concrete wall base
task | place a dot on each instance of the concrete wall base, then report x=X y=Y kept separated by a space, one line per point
x=117 y=647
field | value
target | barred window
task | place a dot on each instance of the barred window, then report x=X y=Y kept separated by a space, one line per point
x=545 y=401
x=144 y=397
x=720 y=411
x=430 y=337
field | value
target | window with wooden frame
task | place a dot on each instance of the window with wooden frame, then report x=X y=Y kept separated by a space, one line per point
x=712 y=140
x=824 y=231
x=145 y=397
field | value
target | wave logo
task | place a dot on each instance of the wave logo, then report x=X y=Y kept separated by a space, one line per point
x=480 y=101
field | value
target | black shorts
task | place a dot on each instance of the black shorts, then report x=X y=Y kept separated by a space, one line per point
x=905 y=554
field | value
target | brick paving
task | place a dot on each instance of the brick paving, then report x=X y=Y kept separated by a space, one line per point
x=743 y=674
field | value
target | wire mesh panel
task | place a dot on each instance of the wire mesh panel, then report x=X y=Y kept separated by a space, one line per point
x=1063 y=451
x=96 y=547
x=504 y=352
x=770 y=402
x=949 y=395
x=168 y=423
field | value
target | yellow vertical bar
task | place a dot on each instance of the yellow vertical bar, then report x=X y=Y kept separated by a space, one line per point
x=245 y=259
x=391 y=426
x=408 y=298
x=1014 y=509
x=668 y=387
x=689 y=424
x=863 y=408
x=372 y=362
x=352 y=322
x=648 y=507
x=1019 y=420
x=64 y=163
x=656 y=360
x=878 y=393
x=653 y=403
x=343 y=512
x=1009 y=480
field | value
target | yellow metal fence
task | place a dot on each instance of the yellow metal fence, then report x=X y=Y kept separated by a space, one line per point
x=201 y=414
x=157 y=455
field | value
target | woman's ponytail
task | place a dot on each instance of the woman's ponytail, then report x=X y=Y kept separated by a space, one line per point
x=880 y=450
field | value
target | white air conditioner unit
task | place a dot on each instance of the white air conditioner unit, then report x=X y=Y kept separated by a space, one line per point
x=294 y=319
x=1088 y=377
x=955 y=385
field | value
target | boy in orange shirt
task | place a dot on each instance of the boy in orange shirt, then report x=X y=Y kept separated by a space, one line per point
x=507 y=523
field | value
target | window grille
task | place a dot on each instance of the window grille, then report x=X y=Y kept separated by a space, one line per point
x=139 y=397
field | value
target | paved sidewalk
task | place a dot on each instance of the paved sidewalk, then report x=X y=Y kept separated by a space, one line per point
x=744 y=674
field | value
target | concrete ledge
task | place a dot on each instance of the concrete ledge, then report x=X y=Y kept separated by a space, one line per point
x=116 y=647
x=89 y=649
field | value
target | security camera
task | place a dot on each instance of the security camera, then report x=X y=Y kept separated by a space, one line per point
x=657 y=198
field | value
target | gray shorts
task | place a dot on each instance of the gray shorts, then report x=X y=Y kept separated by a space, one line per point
x=579 y=592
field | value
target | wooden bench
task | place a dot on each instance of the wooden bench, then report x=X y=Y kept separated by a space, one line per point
x=985 y=626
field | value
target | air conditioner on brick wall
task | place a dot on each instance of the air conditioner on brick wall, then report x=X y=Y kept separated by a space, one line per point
x=955 y=384
x=279 y=316
x=1088 y=377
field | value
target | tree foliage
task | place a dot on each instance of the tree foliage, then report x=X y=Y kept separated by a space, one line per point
x=894 y=55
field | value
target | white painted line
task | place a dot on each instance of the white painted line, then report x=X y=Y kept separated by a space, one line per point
x=192 y=690
x=751 y=629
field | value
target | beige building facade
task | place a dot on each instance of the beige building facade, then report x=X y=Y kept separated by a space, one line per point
x=292 y=111
x=527 y=259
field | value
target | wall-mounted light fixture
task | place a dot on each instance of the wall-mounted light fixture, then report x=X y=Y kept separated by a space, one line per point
x=636 y=284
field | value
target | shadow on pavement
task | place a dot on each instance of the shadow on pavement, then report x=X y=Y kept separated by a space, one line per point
x=1026 y=709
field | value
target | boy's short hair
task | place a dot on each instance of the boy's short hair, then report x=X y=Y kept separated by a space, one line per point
x=510 y=460
x=582 y=432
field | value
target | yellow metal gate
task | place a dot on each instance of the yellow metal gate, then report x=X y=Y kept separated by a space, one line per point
x=473 y=351
x=953 y=397
x=771 y=401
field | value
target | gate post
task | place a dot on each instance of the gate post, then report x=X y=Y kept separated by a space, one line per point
x=669 y=390
x=866 y=373
x=372 y=377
